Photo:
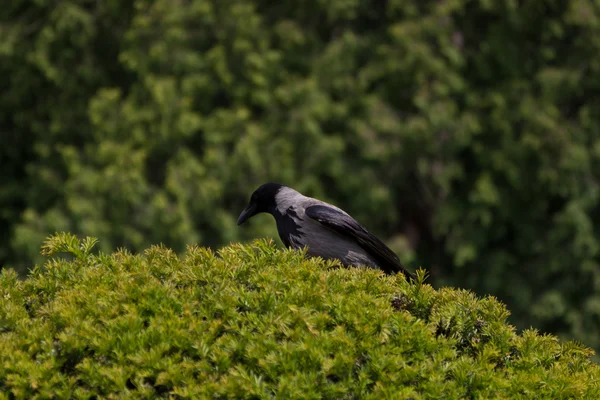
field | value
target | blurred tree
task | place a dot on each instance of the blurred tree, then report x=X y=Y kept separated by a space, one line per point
x=465 y=132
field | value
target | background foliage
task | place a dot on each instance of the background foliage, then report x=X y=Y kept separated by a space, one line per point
x=463 y=132
x=256 y=322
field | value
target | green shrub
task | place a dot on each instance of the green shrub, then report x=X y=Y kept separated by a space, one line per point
x=258 y=322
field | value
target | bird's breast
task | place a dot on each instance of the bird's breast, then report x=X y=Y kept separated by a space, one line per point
x=288 y=227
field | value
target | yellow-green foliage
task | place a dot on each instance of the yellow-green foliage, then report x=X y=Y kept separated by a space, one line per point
x=257 y=322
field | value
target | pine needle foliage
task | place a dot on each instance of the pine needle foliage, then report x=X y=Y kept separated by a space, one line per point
x=256 y=322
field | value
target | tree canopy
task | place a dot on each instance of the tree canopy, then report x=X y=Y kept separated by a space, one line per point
x=463 y=133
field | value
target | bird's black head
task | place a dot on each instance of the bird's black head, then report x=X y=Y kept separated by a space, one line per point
x=262 y=200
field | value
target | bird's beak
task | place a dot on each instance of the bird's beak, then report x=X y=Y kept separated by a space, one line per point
x=248 y=212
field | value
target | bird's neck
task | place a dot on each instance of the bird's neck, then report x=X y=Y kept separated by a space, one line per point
x=286 y=198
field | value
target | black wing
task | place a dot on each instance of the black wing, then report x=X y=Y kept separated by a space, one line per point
x=347 y=226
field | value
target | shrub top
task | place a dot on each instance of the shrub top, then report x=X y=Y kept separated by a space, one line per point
x=252 y=321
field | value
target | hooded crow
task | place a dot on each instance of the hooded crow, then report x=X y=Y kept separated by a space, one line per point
x=325 y=230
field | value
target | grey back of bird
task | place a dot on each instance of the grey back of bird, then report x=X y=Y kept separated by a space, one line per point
x=321 y=240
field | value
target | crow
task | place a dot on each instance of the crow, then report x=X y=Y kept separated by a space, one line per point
x=326 y=230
